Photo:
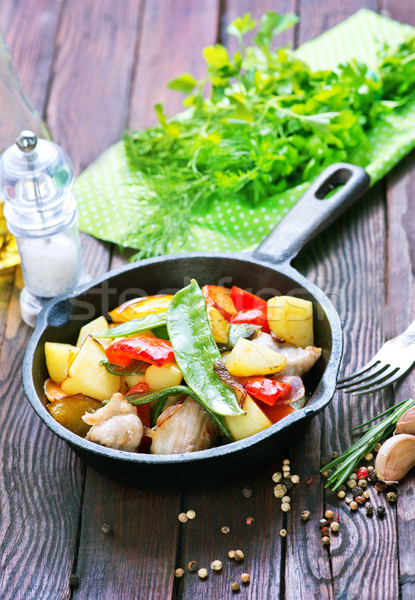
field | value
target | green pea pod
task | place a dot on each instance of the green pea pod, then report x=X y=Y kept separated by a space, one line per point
x=151 y=321
x=137 y=368
x=195 y=351
x=177 y=390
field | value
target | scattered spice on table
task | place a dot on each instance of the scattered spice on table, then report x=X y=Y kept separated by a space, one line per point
x=245 y=578
x=192 y=566
x=225 y=529
x=235 y=586
x=179 y=573
x=250 y=520
x=106 y=529
x=183 y=517
x=203 y=573
x=305 y=515
x=283 y=533
x=247 y=492
x=191 y=514
x=216 y=565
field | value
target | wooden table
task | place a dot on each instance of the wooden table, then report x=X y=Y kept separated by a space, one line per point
x=90 y=67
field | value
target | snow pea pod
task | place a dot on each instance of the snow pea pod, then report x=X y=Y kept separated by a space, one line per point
x=151 y=321
x=196 y=352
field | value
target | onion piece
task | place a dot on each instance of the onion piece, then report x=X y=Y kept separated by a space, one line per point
x=297 y=388
x=223 y=373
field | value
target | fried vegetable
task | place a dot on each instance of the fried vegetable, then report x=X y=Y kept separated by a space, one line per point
x=247 y=359
x=196 y=352
x=59 y=358
x=141 y=307
x=69 y=411
x=291 y=319
x=88 y=376
x=92 y=328
x=253 y=421
x=218 y=324
x=219 y=297
x=168 y=375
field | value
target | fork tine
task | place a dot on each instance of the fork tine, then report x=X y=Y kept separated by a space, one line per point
x=376 y=370
x=398 y=374
x=368 y=385
x=365 y=368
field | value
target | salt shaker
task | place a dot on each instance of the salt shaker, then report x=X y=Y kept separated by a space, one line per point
x=36 y=178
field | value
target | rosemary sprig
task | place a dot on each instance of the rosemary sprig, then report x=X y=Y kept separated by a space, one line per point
x=375 y=434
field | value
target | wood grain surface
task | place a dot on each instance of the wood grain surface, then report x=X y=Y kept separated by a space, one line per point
x=91 y=68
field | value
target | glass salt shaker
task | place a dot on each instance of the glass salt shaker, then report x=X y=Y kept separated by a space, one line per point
x=36 y=178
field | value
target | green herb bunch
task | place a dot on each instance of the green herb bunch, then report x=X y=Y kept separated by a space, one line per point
x=268 y=123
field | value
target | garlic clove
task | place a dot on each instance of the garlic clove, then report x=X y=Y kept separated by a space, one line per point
x=406 y=423
x=395 y=458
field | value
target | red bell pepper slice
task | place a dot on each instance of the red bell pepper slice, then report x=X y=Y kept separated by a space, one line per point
x=253 y=316
x=244 y=300
x=148 y=349
x=139 y=388
x=267 y=390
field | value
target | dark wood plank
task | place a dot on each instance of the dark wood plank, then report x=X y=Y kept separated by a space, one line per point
x=342 y=263
x=37 y=535
x=136 y=560
x=402 y=11
x=173 y=36
x=400 y=313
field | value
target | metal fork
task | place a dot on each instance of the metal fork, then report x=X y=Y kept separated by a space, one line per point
x=392 y=361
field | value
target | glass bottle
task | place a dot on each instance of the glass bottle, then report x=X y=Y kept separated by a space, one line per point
x=36 y=178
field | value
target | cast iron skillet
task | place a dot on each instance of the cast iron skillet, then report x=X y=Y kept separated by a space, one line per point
x=266 y=271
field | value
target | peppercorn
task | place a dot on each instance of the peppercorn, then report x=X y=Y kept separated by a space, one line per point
x=353 y=476
x=277 y=477
x=372 y=476
x=335 y=526
x=323 y=523
x=391 y=497
x=280 y=490
x=192 y=566
x=286 y=461
x=341 y=494
x=249 y=520
x=348 y=499
x=326 y=473
x=225 y=529
x=335 y=455
x=377 y=447
x=235 y=586
x=360 y=499
x=324 y=531
x=366 y=494
x=247 y=492
x=380 y=486
x=295 y=479
x=362 y=483
x=183 y=517
x=191 y=514
x=357 y=491
x=325 y=540
x=285 y=506
x=245 y=578
x=179 y=573
x=369 y=456
x=239 y=555
x=231 y=553
x=369 y=510
x=283 y=532
x=106 y=528
x=216 y=565
x=351 y=483
x=305 y=515
x=287 y=483
x=370 y=469
x=380 y=511
x=329 y=514
x=353 y=505
x=342 y=488
x=203 y=573
x=74 y=580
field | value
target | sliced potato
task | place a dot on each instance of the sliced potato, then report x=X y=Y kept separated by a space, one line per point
x=291 y=319
x=69 y=411
x=247 y=359
x=59 y=358
x=218 y=324
x=87 y=376
x=140 y=307
x=253 y=421
x=157 y=378
x=91 y=328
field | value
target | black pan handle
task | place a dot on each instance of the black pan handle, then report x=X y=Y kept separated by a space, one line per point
x=313 y=212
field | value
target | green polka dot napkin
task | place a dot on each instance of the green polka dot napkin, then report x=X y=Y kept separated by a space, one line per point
x=108 y=211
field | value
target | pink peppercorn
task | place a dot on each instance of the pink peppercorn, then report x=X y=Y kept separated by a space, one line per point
x=362 y=473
